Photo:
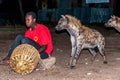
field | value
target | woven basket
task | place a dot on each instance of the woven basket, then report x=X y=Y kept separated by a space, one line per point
x=24 y=59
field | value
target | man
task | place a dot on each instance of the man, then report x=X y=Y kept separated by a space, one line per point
x=37 y=35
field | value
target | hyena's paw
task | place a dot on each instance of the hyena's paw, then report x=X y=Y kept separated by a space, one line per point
x=71 y=67
x=105 y=62
x=73 y=64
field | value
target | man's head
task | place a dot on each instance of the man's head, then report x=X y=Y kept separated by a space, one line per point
x=30 y=19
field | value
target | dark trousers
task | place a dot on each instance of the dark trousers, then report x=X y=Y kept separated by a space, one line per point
x=24 y=40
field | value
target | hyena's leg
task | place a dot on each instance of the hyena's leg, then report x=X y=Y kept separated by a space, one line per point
x=73 y=43
x=78 y=51
x=102 y=52
x=93 y=52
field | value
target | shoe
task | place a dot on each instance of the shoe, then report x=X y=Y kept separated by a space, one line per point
x=6 y=58
x=5 y=61
x=48 y=63
x=2 y=62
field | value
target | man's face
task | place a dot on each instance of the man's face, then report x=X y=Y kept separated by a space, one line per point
x=29 y=20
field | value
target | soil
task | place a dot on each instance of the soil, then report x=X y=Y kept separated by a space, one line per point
x=85 y=68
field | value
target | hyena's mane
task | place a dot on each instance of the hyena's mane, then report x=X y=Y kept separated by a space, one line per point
x=118 y=21
x=74 y=21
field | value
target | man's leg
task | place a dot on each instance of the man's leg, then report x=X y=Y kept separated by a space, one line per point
x=16 y=42
x=44 y=55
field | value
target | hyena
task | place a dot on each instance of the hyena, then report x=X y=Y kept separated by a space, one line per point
x=81 y=37
x=114 y=22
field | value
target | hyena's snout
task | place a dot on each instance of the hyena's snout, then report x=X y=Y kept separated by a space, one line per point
x=56 y=28
x=59 y=28
x=107 y=24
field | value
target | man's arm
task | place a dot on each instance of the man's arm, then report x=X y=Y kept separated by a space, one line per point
x=42 y=48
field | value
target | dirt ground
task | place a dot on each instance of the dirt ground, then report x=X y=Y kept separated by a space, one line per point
x=85 y=68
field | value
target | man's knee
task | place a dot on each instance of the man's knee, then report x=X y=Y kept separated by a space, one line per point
x=19 y=37
x=24 y=41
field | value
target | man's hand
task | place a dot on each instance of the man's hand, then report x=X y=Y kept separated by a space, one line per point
x=42 y=48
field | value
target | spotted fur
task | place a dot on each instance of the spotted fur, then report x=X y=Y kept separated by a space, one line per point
x=114 y=22
x=81 y=37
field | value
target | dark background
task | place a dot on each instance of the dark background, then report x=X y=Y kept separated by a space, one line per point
x=9 y=9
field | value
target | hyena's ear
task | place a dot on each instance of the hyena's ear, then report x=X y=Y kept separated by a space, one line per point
x=113 y=17
x=63 y=16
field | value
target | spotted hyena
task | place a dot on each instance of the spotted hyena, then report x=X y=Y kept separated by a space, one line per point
x=114 y=22
x=81 y=37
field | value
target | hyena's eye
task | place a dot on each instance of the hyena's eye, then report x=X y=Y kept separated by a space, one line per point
x=110 y=21
x=60 y=23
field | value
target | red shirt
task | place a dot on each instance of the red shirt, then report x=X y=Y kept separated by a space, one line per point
x=42 y=36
